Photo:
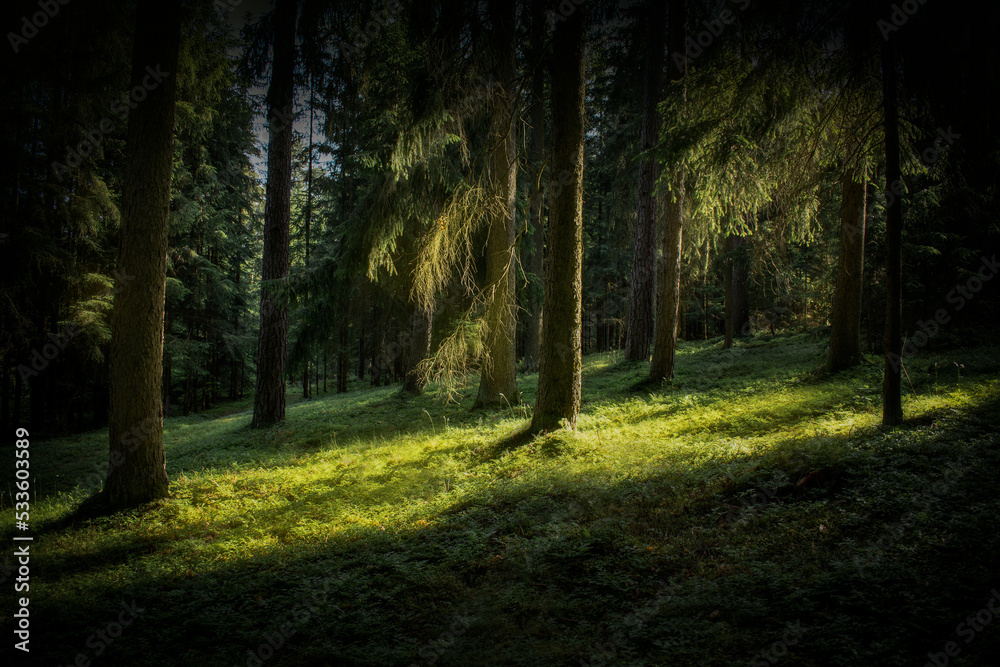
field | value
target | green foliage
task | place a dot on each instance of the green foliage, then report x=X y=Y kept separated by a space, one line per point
x=687 y=524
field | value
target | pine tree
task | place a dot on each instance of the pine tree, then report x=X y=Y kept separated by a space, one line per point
x=640 y=314
x=560 y=370
x=269 y=399
x=498 y=383
x=532 y=324
x=668 y=311
x=845 y=332
x=892 y=406
x=137 y=468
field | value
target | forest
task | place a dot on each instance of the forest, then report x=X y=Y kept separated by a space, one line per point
x=508 y=332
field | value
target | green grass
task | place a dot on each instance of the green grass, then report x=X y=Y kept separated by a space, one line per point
x=687 y=524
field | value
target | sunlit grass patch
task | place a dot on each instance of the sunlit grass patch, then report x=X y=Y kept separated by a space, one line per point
x=746 y=487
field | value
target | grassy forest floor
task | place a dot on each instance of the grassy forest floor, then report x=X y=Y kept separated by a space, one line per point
x=753 y=512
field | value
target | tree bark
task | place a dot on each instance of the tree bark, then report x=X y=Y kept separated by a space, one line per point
x=416 y=349
x=498 y=382
x=661 y=367
x=892 y=403
x=137 y=471
x=342 y=359
x=269 y=399
x=640 y=312
x=533 y=325
x=737 y=310
x=741 y=300
x=665 y=344
x=845 y=332
x=560 y=370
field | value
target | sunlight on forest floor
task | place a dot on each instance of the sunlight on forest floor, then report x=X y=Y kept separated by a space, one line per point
x=753 y=488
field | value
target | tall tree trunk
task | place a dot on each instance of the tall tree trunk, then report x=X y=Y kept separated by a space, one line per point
x=137 y=470
x=741 y=300
x=737 y=306
x=640 y=311
x=416 y=348
x=342 y=360
x=361 y=352
x=661 y=367
x=309 y=180
x=845 y=332
x=498 y=383
x=560 y=370
x=665 y=344
x=533 y=325
x=727 y=290
x=892 y=402
x=269 y=399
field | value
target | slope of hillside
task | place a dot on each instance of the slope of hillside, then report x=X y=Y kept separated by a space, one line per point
x=751 y=512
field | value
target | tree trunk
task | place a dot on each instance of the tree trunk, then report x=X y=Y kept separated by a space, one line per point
x=640 y=311
x=667 y=313
x=845 y=332
x=727 y=290
x=498 y=383
x=416 y=349
x=737 y=310
x=560 y=370
x=361 y=350
x=269 y=399
x=342 y=360
x=309 y=180
x=892 y=403
x=665 y=344
x=741 y=301
x=533 y=325
x=137 y=471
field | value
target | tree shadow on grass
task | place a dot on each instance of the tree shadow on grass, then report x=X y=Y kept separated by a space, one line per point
x=538 y=575
x=492 y=451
